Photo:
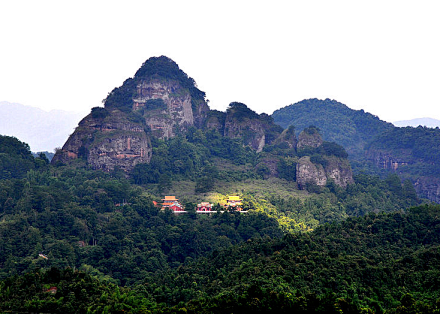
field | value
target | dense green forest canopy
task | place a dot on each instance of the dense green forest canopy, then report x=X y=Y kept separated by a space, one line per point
x=389 y=263
x=16 y=158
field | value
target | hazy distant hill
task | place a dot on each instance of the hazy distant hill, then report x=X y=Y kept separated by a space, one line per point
x=42 y=130
x=428 y=122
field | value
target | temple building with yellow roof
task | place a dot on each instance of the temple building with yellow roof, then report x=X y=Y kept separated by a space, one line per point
x=234 y=201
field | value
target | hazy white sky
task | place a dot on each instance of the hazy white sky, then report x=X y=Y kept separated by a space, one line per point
x=380 y=56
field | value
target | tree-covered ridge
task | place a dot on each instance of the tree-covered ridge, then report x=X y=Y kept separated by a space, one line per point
x=379 y=263
x=352 y=129
x=240 y=111
x=154 y=68
x=417 y=148
x=16 y=158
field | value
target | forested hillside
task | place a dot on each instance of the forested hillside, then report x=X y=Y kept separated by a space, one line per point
x=372 y=264
x=352 y=129
x=374 y=146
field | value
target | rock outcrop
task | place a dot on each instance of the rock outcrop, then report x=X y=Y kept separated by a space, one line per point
x=159 y=101
x=166 y=107
x=309 y=137
x=386 y=160
x=428 y=187
x=105 y=140
x=339 y=170
x=336 y=169
x=288 y=138
x=319 y=168
x=309 y=173
x=255 y=130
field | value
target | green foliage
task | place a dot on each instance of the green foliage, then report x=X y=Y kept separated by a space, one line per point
x=153 y=104
x=99 y=113
x=318 y=159
x=419 y=146
x=352 y=129
x=78 y=217
x=15 y=158
x=364 y=265
x=189 y=157
x=286 y=169
x=121 y=97
x=312 y=130
x=333 y=149
x=76 y=292
x=240 y=111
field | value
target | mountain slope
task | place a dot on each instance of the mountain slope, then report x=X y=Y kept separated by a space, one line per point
x=373 y=145
x=350 y=128
x=412 y=153
x=161 y=103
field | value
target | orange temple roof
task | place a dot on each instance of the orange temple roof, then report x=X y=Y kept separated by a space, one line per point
x=170 y=198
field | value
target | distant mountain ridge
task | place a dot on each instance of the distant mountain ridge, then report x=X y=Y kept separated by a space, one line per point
x=42 y=130
x=428 y=122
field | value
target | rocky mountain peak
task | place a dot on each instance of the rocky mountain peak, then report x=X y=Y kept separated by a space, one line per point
x=160 y=100
x=309 y=137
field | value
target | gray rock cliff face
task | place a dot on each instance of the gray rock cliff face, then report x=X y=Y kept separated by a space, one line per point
x=336 y=169
x=251 y=130
x=339 y=170
x=428 y=187
x=329 y=168
x=159 y=101
x=107 y=142
x=288 y=137
x=385 y=160
x=308 y=172
x=306 y=139
x=167 y=107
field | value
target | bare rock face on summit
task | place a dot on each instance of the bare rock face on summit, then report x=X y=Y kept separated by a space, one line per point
x=166 y=107
x=106 y=139
x=310 y=137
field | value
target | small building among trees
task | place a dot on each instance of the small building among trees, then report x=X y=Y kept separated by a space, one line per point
x=204 y=207
x=235 y=202
x=171 y=202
